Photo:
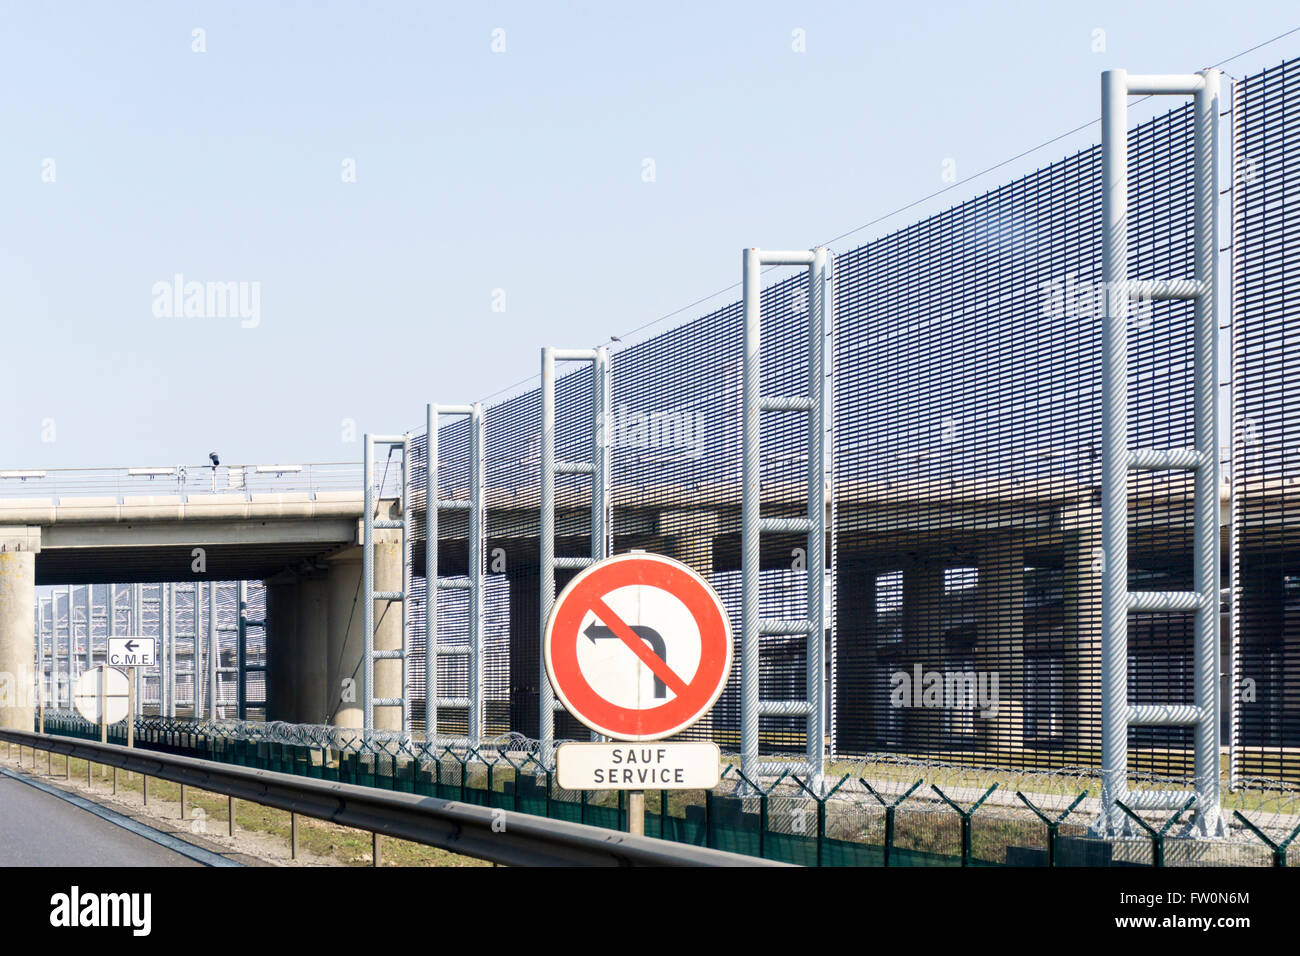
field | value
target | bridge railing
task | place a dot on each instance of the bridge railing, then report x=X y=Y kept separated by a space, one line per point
x=236 y=480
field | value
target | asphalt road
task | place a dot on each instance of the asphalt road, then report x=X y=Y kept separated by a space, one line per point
x=37 y=829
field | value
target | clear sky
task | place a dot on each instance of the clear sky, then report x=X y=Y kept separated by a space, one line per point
x=516 y=177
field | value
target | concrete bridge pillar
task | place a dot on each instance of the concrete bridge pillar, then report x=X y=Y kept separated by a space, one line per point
x=18 y=547
x=282 y=648
x=860 y=725
x=1000 y=644
x=344 y=640
x=315 y=642
x=312 y=701
x=1081 y=658
x=388 y=626
x=336 y=603
x=525 y=646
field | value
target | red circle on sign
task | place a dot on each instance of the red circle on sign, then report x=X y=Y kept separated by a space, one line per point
x=587 y=591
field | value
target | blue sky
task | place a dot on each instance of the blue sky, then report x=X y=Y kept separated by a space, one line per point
x=476 y=171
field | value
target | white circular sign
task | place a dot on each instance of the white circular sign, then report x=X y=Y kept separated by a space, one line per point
x=85 y=696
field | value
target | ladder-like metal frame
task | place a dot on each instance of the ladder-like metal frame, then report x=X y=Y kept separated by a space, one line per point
x=1118 y=459
x=812 y=625
x=40 y=652
x=167 y=696
x=72 y=642
x=237 y=670
x=370 y=595
x=241 y=649
x=214 y=653
x=136 y=601
x=195 y=589
x=601 y=525
x=473 y=582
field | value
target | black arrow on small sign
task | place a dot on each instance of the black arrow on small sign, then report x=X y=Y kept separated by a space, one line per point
x=130 y=647
x=599 y=632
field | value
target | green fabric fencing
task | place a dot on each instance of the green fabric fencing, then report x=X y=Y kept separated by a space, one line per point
x=784 y=822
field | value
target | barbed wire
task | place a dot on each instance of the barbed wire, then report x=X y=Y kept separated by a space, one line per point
x=865 y=784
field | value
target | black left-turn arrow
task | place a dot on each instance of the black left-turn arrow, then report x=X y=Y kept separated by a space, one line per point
x=599 y=632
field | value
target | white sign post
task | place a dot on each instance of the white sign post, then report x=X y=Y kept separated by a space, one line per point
x=638 y=647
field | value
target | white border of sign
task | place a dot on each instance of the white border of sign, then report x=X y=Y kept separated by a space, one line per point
x=603 y=565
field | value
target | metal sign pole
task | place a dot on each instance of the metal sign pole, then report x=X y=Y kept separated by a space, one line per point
x=103 y=706
x=636 y=812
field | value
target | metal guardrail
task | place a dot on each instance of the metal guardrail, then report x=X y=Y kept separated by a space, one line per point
x=501 y=836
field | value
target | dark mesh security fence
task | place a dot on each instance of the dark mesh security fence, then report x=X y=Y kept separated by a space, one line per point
x=453 y=605
x=968 y=467
x=95 y=612
x=674 y=435
x=1266 y=412
x=676 y=466
x=967 y=397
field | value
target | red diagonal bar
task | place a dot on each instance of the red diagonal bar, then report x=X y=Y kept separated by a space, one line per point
x=638 y=647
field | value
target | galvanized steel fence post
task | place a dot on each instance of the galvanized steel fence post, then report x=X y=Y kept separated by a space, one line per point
x=369 y=596
x=1236 y=461
x=601 y=530
x=171 y=650
x=71 y=647
x=754 y=524
x=1118 y=459
x=213 y=650
x=241 y=654
x=473 y=584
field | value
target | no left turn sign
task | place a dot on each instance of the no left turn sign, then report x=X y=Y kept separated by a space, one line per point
x=638 y=647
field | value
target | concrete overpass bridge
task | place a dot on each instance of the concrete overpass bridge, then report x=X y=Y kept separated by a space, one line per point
x=296 y=527
x=123 y=525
